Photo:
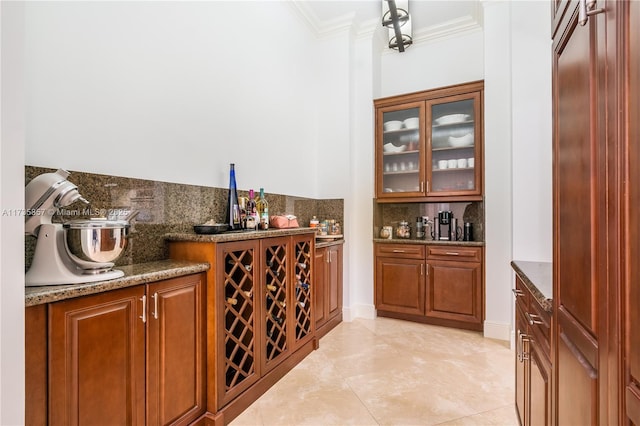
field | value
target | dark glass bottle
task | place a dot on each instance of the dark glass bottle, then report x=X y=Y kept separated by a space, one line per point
x=233 y=209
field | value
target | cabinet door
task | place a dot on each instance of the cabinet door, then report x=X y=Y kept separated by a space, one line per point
x=275 y=295
x=522 y=365
x=454 y=158
x=454 y=292
x=303 y=326
x=400 y=285
x=334 y=282
x=175 y=350
x=580 y=198
x=539 y=387
x=239 y=362
x=320 y=286
x=400 y=151
x=97 y=359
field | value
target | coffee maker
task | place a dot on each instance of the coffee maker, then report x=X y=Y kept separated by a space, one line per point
x=445 y=227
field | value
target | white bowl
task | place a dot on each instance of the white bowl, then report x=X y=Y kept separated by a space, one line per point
x=443 y=164
x=412 y=123
x=457 y=142
x=451 y=118
x=389 y=147
x=392 y=125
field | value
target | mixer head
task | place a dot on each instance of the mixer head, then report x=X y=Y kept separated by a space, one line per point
x=46 y=193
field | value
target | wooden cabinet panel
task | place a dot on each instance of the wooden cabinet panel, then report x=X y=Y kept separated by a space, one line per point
x=328 y=288
x=522 y=367
x=407 y=251
x=400 y=285
x=97 y=359
x=320 y=287
x=539 y=388
x=455 y=291
x=579 y=209
x=176 y=351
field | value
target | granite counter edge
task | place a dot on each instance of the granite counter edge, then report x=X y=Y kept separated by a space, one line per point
x=143 y=273
x=546 y=302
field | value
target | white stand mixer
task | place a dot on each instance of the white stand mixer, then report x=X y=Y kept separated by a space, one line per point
x=53 y=262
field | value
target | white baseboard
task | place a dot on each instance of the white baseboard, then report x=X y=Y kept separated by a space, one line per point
x=497 y=330
x=358 y=311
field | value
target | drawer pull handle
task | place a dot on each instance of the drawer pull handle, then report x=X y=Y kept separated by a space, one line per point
x=533 y=319
x=155 y=305
x=453 y=253
x=517 y=293
x=143 y=317
x=398 y=251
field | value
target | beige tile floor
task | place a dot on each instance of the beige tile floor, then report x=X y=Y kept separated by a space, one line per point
x=392 y=372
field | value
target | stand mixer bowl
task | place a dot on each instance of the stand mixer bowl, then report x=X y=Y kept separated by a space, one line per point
x=96 y=240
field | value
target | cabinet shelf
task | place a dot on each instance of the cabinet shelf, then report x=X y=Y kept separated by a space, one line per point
x=452 y=148
x=449 y=125
x=392 y=154
x=457 y=169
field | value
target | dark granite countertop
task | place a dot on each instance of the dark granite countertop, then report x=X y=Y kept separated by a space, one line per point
x=429 y=242
x=235 y=235
x=538 y=277
x=133 y=275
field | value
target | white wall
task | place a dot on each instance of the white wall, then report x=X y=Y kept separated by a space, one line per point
x=532 y=134
x=12 y=390
x=175 y=91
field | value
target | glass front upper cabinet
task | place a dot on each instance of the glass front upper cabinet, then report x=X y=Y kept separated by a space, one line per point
x=429 y=145
x=454 y=133
x=401 y=150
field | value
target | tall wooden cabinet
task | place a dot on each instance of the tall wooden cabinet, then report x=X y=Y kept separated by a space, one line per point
x=596 y=194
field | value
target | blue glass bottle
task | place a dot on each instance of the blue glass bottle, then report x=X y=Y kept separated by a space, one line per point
x=233 y=209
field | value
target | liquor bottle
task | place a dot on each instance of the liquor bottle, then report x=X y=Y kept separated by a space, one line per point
x=233 y=208
x=263 y=210
x=252 y=212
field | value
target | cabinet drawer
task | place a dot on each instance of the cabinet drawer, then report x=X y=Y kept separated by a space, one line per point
x=457 y=253
x=409 y=251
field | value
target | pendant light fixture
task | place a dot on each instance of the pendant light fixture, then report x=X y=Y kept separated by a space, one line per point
x=395 y=16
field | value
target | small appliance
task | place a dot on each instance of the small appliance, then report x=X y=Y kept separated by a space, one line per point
x=75 y=252
x=446 y=227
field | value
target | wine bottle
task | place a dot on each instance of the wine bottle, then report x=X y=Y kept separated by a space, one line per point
x=252 y=212
x=233 y=208
x=263 y=210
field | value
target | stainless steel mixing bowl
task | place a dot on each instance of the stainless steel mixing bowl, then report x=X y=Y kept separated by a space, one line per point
x=97 y=240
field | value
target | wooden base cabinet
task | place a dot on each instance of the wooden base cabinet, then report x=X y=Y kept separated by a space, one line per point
x=433 y=284
x=533 y=360
x=130 y=356
x=260 y=315
x=328 y=288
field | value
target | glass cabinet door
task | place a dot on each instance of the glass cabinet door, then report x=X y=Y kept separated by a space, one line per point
x=400 y=150
x=454 y=134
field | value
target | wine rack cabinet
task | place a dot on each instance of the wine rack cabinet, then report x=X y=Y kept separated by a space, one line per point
x=260 y=312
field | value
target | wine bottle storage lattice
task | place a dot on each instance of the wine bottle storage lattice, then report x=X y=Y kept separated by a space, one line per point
x=276 y=301
x=303 y=288
x=239 y=318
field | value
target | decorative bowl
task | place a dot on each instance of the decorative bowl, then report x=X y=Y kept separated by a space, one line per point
x=412 y=123
x=451 y=119
x=462 y=141
x=392 y=125
x=389 y=147
x=215 y=228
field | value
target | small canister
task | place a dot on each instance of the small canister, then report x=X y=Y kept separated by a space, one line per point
x=386 y=232
x=403 y=230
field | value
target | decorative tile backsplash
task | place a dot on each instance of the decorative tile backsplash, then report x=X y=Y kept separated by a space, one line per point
x=165 y=208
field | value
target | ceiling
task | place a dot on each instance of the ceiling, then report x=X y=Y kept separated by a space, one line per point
x=429 y=18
